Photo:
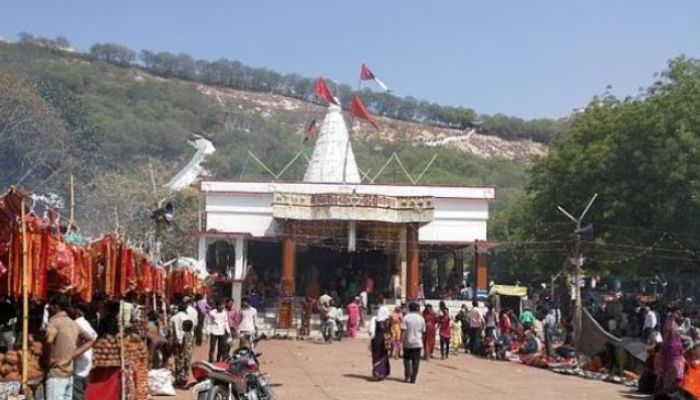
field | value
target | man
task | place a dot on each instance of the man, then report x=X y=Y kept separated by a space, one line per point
x=476 y=325
x=191 y=310
x=550 y=325
x=128 y=309
x=203 y=309
x=527 y=318
x=412 y=331
x=650 y=322
x=325 y=303
x=248 y=327
x=62 y=337
x=176 y=322
x=83 y=363
x=219 y=332
x=395 y=285
x=234 y=318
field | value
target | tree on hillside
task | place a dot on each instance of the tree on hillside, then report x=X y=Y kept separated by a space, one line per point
x=112 y=53
x=127 y=197
x=641 y=156
x=32 y=136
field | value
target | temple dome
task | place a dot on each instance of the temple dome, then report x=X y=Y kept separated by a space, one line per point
x=326 y=165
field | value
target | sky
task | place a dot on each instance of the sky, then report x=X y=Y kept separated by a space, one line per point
x=534 y=58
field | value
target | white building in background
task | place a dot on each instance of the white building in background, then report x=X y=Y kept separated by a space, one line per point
x=299 y=233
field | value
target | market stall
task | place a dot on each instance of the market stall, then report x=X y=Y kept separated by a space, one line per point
x=507 y=296
x=39 y=259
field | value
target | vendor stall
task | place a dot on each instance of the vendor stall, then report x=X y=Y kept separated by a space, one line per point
x=506 y=296
x=38 y=260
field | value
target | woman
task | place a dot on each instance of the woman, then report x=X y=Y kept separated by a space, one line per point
x=353 y=318
x=395 y=329
x=670 y=367
x=531 y=351
x=443 y=322
x=430 y=331
x=380 y=343
x=456 y=340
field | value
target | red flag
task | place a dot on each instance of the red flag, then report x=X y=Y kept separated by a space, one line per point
x=358 y=110
x=322 y=91
x=365 y=73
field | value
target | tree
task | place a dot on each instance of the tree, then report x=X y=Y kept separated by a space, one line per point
x=32 y=137
x=640 y=155
x=112 y=53
x=128 y=196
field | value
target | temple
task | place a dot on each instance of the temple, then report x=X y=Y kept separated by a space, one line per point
x=331 y=233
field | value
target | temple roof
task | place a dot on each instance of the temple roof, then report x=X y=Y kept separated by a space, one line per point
x=326 y=165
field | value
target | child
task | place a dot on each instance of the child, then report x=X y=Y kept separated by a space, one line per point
x=183 y=358
x=456 y=334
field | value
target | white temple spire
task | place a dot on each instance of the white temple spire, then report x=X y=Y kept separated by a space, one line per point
x=329 y=154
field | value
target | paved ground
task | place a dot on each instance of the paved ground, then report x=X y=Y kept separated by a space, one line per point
x=340 y=371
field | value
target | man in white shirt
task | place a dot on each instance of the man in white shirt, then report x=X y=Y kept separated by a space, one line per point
x=83 y=363
x=176 y=323
x=191 y=311
x=412 y=331
x=219 y=332
x=650 y=322
x=248 y=327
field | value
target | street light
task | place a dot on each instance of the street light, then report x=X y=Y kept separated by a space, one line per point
x=577 y=261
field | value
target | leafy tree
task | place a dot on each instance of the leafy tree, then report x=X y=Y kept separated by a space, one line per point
x=32 y=135
x=640 y=155
x=112 y=53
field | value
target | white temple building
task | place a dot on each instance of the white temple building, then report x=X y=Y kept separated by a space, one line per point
x=303 y=235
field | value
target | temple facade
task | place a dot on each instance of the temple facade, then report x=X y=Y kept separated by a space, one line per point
x=299 y=235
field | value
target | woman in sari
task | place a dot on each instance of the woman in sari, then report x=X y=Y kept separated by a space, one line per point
x=430 y=331
x=353 y=318
x=380 y=343
x=671 y=363
x=395 y=329
x=531 y=351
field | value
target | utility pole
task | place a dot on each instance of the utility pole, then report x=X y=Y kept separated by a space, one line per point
x=577 y=262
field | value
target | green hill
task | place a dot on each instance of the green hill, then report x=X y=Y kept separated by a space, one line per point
x=115 y=128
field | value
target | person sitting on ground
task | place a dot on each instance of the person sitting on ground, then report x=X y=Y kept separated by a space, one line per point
x=531 y=351
x=691 y=376
x=488 y=347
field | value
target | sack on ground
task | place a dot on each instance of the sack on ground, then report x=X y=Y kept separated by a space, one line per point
x=160 y=382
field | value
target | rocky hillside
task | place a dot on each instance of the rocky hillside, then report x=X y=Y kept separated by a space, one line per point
x=299 y=113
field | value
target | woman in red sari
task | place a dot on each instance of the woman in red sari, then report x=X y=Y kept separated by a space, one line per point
x=430 y=331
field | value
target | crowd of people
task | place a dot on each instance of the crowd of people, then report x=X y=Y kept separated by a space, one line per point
x=69 y=329
x=411 y=334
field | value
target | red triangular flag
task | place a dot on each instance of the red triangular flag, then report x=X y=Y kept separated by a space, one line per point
x=358 y=110
x=322 y=91
x=365 y=73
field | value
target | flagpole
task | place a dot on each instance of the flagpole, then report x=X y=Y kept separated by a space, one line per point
x=352 y=120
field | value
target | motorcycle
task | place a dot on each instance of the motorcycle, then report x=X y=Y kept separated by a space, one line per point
x=238 y=378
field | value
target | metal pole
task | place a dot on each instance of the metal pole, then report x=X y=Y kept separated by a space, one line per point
x=25 y=299
x=578 y=307
x=578 y=261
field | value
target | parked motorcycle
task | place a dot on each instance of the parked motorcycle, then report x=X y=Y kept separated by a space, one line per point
x=238 y=378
